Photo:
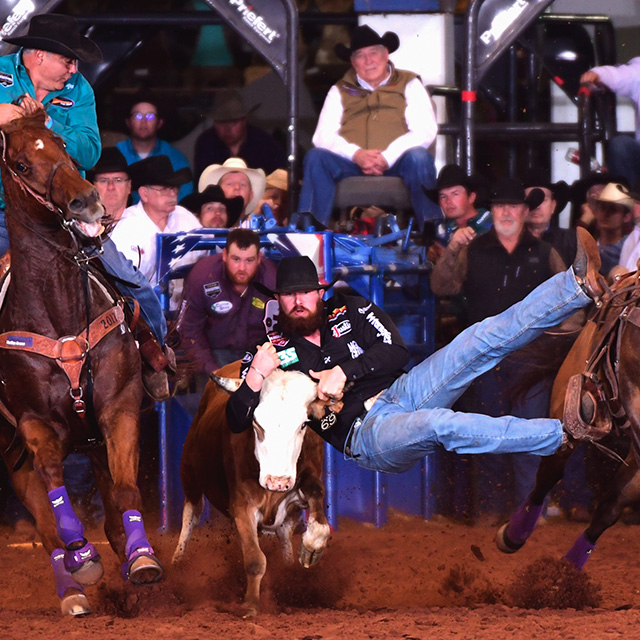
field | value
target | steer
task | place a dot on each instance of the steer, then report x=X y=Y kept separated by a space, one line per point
x=261 y=478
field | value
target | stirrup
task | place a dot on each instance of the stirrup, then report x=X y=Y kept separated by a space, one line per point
x=573 y=421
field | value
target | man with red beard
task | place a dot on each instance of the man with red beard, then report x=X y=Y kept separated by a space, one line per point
x=389 y=420
x=223 y=311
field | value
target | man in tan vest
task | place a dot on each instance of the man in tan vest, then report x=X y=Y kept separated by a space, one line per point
x=377 y=120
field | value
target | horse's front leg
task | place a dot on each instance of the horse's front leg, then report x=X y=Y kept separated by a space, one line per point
x=512 y=536
x=75 y=561
x=624 y=491
x=139 y=562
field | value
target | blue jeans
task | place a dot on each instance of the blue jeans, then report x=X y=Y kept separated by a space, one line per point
x=624 y=159
x=413 y=416
x=322 y=169
x=117 y=265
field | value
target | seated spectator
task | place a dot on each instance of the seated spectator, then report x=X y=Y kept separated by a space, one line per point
x=456 y=194
x=377 y=120
x=223 y=314
x=233 y=137
x=236 y=179
x=143 y=122
x=630 y=253
x=584 y=193
x=613 y=213
x=158 y=211
x=112 y=180
x=213 y=208
x=276 y=196
x=542 y=221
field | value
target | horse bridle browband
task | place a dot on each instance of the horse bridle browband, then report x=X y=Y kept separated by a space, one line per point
x=43 y=199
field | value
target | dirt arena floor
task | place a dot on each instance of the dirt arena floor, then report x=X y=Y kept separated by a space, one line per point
x=410 y=579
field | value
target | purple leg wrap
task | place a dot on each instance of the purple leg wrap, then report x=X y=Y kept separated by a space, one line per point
x=63 y=578
x=580 y=552
x=73 y=560
x=523 y=522
x=70 y=529
x=135 y=535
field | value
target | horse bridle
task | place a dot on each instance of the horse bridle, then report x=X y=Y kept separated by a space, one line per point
x=44 y=199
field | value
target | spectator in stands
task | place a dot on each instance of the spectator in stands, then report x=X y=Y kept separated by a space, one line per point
x=584 y=193
x=377 y=120
x=494 y=271
x=236 y=179
x=542 y=220
x=456 y=194
x=144 y=122
x=157 y=183
x=223 y=314
x=213 y=208
x=233 y=137
x=112 y=180
x=613 y=214
x=276 y=196
x=623 y=158
x=630 y=253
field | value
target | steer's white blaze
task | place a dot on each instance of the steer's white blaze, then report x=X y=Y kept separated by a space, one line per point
x=282 y=412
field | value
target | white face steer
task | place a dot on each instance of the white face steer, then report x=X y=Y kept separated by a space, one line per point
x=279 y=423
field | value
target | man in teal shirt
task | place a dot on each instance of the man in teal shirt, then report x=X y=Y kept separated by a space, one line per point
x=44 y=74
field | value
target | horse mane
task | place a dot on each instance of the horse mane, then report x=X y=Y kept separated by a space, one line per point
x=35 y=119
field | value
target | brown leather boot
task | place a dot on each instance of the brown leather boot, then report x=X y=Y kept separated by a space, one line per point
x=157 y=363
x=586 y=266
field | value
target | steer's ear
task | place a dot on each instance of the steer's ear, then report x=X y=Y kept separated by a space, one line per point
x=318 y=408
x=228 y=384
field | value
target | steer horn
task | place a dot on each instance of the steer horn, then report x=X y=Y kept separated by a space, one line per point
x=228 y=384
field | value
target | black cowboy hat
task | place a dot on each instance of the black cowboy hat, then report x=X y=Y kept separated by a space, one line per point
x=58 y=34
x=451 y=175
x=228 y=105
x=111 y=161
x=214 y=193
x=364 y=36
x=560 y=190
x=511 y=191
x=296 y=273
x=157 y=170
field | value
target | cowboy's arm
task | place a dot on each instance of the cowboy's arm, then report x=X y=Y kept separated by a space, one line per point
x=79 y=129
x=622 y=79
x=326 y=135
x=420 y=119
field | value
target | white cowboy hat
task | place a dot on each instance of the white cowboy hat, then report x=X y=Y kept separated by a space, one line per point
x=214 y=172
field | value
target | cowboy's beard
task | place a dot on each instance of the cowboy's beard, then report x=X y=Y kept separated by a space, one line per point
x=303 y=326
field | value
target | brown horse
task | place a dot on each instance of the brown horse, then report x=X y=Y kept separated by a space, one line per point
x=602 y=365
x=69 y=366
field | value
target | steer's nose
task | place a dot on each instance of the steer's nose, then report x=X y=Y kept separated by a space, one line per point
x=278 y=483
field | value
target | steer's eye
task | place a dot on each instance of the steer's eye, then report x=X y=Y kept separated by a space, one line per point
x=21 y=167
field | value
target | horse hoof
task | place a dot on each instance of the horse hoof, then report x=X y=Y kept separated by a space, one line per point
x=89 y=573
x=309 y=558
x=250 y=612
x=503 y=543
x=75 y=605
x=145 y=570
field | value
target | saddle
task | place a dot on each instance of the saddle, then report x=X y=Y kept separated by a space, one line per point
x=592 y=403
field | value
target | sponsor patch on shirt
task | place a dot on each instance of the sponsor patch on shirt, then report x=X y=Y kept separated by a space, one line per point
x=6 y=79
x=341 y=328
x=383 y=332
x=336 y=312
x=364 y=310
x=257 y=303
x=248 y=357
x=212 y=289
x=288 y=357
x=224 y=306
x=355 y=349
x=277 y=340
x=65 y=103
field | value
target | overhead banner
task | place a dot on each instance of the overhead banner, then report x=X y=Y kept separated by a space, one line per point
x=263 y=24
x=499 y=24
x=15 y=16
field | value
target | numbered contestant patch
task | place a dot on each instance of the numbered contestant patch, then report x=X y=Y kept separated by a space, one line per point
x=288 y=357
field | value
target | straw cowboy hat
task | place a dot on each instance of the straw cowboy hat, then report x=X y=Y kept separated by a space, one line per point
x=617 y=193
x=278 y=179
x=214 y=172
x=58 y=34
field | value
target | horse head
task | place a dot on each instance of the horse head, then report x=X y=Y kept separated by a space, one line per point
x=34 y=158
